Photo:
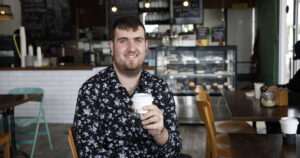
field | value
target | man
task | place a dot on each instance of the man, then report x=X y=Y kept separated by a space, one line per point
x=105 y=124
x=293 y=85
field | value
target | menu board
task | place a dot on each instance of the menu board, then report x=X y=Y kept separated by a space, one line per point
x=48 y=19
x=202 y=33
x=218 y=34
x=192 y=14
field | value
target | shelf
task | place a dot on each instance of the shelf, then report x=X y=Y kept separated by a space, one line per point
x=157 y=22
x=215 y=61
x=211 y=92
x=198 y=62
x=145 y=10
x=204 y=75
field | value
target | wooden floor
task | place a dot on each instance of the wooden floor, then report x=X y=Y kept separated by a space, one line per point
x=193 y=137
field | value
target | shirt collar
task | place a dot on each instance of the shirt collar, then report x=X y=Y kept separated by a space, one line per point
x=114 y=78
x=143 y=80
x=141 y=87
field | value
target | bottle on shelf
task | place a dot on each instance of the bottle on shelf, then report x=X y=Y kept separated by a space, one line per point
x=62 y=57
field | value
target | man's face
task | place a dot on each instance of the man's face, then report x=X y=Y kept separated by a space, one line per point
x=128 y=49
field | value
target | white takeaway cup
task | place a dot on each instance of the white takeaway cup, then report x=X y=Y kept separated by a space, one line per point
x=289 y=125
x=140 y=100
x=257 y=91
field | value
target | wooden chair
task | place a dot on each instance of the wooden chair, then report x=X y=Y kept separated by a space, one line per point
x=217 y=144
x=4 y=141
x=72 y=143
x=225 y=126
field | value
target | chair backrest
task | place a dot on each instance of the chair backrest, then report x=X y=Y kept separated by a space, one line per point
x=200 y=90
x=28 y=91
x=71 y=139
x=206 y=115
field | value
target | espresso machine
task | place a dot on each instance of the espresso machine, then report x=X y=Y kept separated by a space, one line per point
x=8 y=53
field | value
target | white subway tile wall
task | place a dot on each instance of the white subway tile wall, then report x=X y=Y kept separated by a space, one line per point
x=60 y=91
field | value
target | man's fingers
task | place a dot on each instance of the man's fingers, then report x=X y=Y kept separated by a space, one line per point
x=150 y=107
x=152 y=127
x=151 y=120
x=150 y=114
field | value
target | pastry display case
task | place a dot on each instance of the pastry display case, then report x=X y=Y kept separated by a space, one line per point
x=214 y=67
x=183 y=68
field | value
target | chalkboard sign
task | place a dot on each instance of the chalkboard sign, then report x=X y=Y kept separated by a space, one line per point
x=202 y=33
x=48 y=19
x=191 y=14
x=218 y=34
x=125 y=7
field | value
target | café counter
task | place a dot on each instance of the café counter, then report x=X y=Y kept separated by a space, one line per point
x=60 y=84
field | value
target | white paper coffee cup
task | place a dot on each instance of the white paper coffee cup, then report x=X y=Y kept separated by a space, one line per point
x=140 y=100
x=289 y=125
x=257 y=91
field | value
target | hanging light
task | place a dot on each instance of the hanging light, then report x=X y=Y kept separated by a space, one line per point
x=114 y=9
x=5 y=12
x=147 y=5
x=186 y=3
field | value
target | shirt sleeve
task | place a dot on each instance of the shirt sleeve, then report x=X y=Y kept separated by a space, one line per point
x=173 y=146
x=89 y=142
x=294 y=83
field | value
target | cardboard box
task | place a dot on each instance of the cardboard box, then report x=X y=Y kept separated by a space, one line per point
x=281 y=98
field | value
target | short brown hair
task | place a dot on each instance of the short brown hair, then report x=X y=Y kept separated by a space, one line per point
x=127 y=22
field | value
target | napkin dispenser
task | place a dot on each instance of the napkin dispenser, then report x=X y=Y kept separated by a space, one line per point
x=281 y=98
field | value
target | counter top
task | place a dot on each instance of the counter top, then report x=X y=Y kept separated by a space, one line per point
x=67 y=67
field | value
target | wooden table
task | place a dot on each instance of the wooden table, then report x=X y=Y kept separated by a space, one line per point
x=246 y=108
x=262 y=146
x=7 y=104
x=8 y=101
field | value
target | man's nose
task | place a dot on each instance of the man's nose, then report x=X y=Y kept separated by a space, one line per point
x=131 y=46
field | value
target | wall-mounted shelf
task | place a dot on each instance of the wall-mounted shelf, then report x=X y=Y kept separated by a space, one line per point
x=166 y=10
x=157 y=22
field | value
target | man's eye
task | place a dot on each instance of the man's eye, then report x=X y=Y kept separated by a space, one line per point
x=139 y=40
x=123 y=41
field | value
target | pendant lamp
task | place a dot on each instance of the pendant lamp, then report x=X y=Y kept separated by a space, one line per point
x=5 y=12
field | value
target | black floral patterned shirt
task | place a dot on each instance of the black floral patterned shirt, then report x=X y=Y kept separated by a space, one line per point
x=106 y=126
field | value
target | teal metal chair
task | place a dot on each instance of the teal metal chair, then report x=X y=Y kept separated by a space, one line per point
x=23 y=121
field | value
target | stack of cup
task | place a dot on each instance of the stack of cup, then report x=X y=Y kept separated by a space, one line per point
x=257 y=86
x=289 y=127
x=139 y=101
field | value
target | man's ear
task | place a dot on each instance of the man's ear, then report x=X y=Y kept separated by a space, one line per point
x=147 y=46
x=111 y=47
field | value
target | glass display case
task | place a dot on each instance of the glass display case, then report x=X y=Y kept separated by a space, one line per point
x=214 y=67
x=183 y=68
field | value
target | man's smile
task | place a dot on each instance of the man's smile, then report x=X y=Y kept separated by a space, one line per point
x=131 y=56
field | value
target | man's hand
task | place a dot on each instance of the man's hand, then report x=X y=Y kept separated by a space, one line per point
x=153 y=120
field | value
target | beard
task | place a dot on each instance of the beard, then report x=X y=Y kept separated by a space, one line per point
x=128 y=69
